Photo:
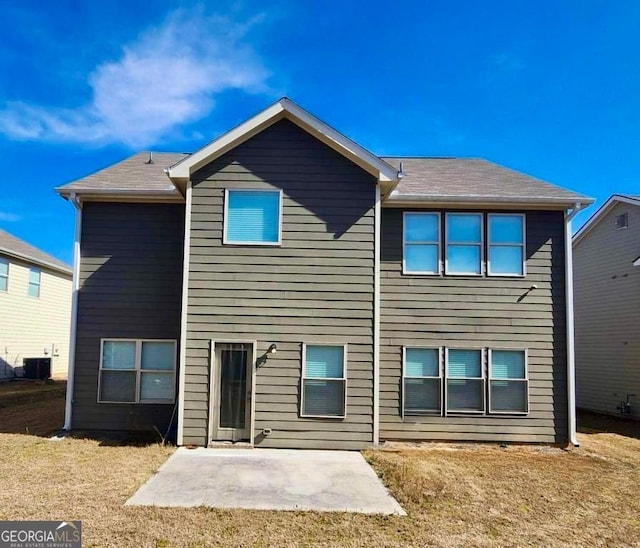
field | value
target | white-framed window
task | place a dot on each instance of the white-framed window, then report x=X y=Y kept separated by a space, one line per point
x=421 y=242
x=4 y=274
x=464 y=392
x=324 y=381
x=508 y=381
x=506 y=243
x=422 y=381
x=463 y=249
x=252 y=217
x=137 y=371
x=35 y=275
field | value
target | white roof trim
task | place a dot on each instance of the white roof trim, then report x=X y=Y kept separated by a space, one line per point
x=284 y=108
x=600 y=213
x=40 y=262
x=636 y=262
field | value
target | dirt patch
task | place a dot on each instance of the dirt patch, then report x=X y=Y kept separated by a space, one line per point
x=32 y=408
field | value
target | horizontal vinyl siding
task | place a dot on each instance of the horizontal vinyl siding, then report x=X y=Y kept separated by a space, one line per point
x=30 y=325
x=130 y=287
x=607 y=313
x=316 y=287
x=478 y=312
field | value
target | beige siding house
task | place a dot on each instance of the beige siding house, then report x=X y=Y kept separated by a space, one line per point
x=35 y=308
x=284 y=287
x=607 y=308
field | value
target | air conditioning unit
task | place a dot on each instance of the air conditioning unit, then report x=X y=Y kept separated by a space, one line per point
x=36 y=368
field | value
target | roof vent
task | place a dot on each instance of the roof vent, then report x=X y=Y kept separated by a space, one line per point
x=622 y=221
x=401 y=171
x=150 y=160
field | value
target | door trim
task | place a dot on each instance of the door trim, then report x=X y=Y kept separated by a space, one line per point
x=212 y=384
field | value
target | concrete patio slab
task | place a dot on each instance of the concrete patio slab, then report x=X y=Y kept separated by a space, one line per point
x=268 y=479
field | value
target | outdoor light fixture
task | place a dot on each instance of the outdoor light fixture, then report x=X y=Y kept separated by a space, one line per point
x=263 y=359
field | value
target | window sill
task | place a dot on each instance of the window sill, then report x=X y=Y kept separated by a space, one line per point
x=253 y=244
x=147 y=402
x=331 y=417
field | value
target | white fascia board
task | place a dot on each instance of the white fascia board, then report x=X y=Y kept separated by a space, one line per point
x=508 y=202
x=636 y=262
x=38 y=262
x=601 y=213
x=284 y=108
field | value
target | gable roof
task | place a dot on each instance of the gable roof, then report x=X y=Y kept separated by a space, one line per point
x=15 y=247
x=426 y=180
x=472 y=180
x=132 y=176
x=602 y=211
x=283 y=108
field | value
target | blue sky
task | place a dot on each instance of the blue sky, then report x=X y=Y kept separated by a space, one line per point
x=551 y=88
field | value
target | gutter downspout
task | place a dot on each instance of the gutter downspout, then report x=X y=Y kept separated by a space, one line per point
x=376 y=320
x=75 y=284
x=571 y=365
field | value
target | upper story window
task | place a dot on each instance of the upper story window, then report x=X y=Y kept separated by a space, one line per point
x=34 y=282
x=464 y=244
x=137 y=371
x=252 y=217
x=506 y=255
x=4 y=274
x=421 y=243
x=622 y=221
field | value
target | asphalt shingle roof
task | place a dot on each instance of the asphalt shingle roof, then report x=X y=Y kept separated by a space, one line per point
x=469 y=178
x=11 y=245
x=440 y=179
x=132 y=174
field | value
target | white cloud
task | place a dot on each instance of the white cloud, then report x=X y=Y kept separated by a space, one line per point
x=168 y=77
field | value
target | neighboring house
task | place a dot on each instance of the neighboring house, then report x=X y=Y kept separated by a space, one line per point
x=607 y=308
x=35 y=308
x=284 y=286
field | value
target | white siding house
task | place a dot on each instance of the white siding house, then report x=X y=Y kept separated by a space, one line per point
x=35 y=308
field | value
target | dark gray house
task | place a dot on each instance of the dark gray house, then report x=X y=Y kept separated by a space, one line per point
x=607 y=295
x=285 y=287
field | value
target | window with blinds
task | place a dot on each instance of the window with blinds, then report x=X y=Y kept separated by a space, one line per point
x=422 y=381
x=324 y=381
x=137 y=371
x=464 y=243
x=506 y=256
x=34 y=282
x=421 y=237
x=4 y=274
x=465 y=381
x=508 y=381
x=252 y=217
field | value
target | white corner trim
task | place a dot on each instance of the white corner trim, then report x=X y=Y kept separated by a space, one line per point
x=376 y=320
x=183 y=314
x=75 y=285
x=284 y=108
x=600 y=213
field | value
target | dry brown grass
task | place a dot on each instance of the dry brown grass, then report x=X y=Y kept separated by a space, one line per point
x=455 y=496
